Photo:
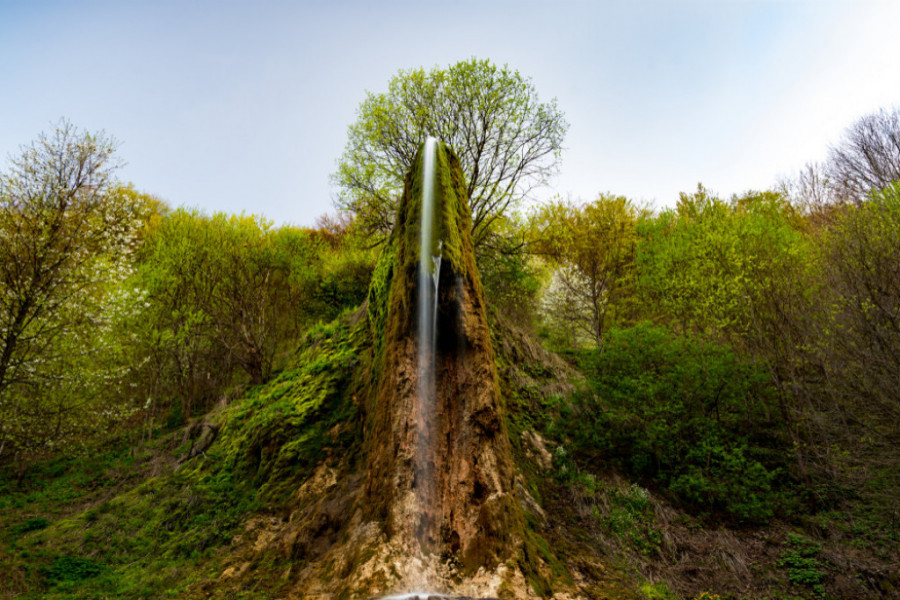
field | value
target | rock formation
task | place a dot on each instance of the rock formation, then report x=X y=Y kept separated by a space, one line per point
x=423 y=501
x=458 y=500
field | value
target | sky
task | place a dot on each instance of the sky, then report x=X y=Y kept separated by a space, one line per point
x=243 y=106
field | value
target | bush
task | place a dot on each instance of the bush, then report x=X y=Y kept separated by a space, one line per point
x=510 y=279
x=803 y=568
x=685 y=415
x=71 y=568
x=34 y=524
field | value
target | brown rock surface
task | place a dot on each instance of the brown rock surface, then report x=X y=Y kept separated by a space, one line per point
x=463 y=502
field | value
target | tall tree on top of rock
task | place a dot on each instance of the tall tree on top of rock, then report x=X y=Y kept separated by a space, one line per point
x=508 y=142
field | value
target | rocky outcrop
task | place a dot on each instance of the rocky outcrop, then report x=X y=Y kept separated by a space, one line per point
x=380 y=517
x=470 y=511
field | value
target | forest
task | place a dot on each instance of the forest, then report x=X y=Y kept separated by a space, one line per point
x=719 y=366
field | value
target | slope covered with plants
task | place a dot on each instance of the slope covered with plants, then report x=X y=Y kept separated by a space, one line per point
x=699 y=401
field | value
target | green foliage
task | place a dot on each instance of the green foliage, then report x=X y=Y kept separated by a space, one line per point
x=688 y=416
x=71 y=568
x=33 y=524
x=48 y=556
x=815 y=301
x=329 y=269
x=44 y=487
x=803 y=568
x=627 y=513
x=159 y=537
x=341 y=281
x=657 y=591
x=506 y=139
x=226 y=295
x=715 y=267
x=862 y=352
x=67 y=231
x=631 y=517
x=144 y=538
x=217 y=291
x=592 y=250
x=511 y=280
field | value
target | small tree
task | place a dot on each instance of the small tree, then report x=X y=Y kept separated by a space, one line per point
x=593 y=248
x=66 y=233
x=507 y=141
x=862 y=254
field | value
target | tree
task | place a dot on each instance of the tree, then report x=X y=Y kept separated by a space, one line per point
x=66 y=233
x=812 y=193
x=508 y=142
x=868 y=158
x=228 y=293
x=219 y=299
x=711 y=265
x=509 y=274
x=862 y=253
x=593 y=249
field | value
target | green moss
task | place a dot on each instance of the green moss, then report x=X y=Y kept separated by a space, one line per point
x=281 y=431
x=159 y=538
x=379 y=290
x=396 y=274
x=540 y=566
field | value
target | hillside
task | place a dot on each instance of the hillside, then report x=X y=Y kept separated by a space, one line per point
x=598 y=402
x=243 y=503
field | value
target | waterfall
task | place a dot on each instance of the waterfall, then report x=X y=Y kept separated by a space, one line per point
x=430 y=246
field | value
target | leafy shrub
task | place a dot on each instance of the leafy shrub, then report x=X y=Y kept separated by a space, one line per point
x=34 y=524
x=509 y=277
x=340 y=283
x=686 y=415
x=71 y=568
x=802 y=566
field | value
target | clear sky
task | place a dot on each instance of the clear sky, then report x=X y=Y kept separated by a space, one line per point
x=244 y=106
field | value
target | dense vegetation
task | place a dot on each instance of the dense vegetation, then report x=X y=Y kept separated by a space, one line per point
x=738 y=356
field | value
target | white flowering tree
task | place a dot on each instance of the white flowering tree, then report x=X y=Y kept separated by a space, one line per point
x=566 y=310
x=67 y=231
x=592 y=247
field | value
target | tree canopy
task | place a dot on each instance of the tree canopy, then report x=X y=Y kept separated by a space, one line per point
x=592 y=247
x=868 y=157
x=67 y=229
x=507 y=140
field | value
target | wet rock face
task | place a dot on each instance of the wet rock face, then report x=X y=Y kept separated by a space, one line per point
x=461 y=502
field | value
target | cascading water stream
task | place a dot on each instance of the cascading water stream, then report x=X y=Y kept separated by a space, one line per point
x=430 y=246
